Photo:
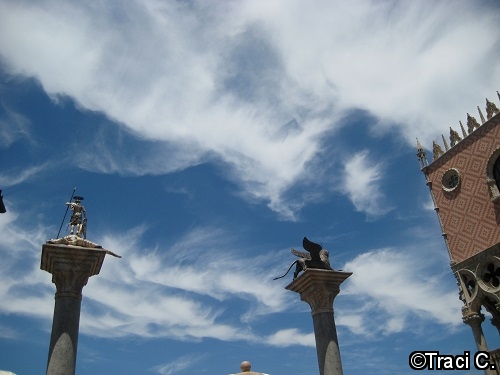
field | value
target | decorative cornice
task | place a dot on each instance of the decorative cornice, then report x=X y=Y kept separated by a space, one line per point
x=318 y=288
x=477 y=133
x=71 y=267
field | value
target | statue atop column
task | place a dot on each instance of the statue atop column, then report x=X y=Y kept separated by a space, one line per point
x=78 y=218
x=71 y=260
x=316 y=257
x=78 y=228
x=318 y=285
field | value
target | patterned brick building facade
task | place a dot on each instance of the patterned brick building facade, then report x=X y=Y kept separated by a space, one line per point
x=464 y=181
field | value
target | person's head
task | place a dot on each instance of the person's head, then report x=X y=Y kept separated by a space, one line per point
x=78 y=200
x=245 y=366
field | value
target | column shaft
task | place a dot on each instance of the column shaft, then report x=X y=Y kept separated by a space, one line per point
x=64 y=337
x=327 y=346
x=319 y=288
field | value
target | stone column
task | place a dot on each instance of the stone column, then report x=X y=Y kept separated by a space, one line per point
x=474 y=320
x=319 y=288
x=71 y=267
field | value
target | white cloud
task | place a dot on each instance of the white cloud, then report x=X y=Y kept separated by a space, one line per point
x=12 y=178
x=201 y=262
x=175 y=291
x=13 y=126
x=178 y=365
x=7 y=332
x=394 y=287
x=354 y=322
x=361 y=183
x=398 y=60
x=429 y=205
x=219 y=81
x=292 y=336
x=20 y=241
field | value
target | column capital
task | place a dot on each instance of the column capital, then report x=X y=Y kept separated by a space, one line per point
x=318 y=288
x=473 y=319
x=71 y=267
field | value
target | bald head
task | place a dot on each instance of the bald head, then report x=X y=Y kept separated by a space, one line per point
x=245 y=366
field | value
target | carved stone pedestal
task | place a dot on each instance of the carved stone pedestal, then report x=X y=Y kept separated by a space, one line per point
x=319 y=288
x=71 y=267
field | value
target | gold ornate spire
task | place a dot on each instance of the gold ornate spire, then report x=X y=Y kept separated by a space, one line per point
x=422 y=157
x=471 y=123
x=454 y=137
x=491 y=109
x=437 y=151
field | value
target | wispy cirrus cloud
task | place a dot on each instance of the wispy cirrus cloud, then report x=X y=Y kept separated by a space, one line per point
x=291 y=336
x=13 y=126
x=250 y=89
x=179 y=289
x=407 y=289
x=182 y=363
x=15 y=177
x=362 y=184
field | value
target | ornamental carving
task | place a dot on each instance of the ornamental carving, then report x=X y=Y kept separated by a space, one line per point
x=491 y=109
x=488 y=275
x=70 y=278
x=437 y=151
x=467 y=284
x=479 y=284
x=454 y=137
x=471 y=123
x=473 y=319
x=71 y=267
x=319 y=288
x=319 y=301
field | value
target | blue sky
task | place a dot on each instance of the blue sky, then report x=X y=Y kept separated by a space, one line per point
x=207 y=139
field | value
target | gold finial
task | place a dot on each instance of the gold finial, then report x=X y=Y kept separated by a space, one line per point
x=437 y=151
x=491 y=109
x=454 y=137
x=481 y=115
x=471 y=123
x=446 y=147
x=463 y=130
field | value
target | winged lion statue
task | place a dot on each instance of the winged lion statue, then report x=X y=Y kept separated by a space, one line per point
x=316 y=257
